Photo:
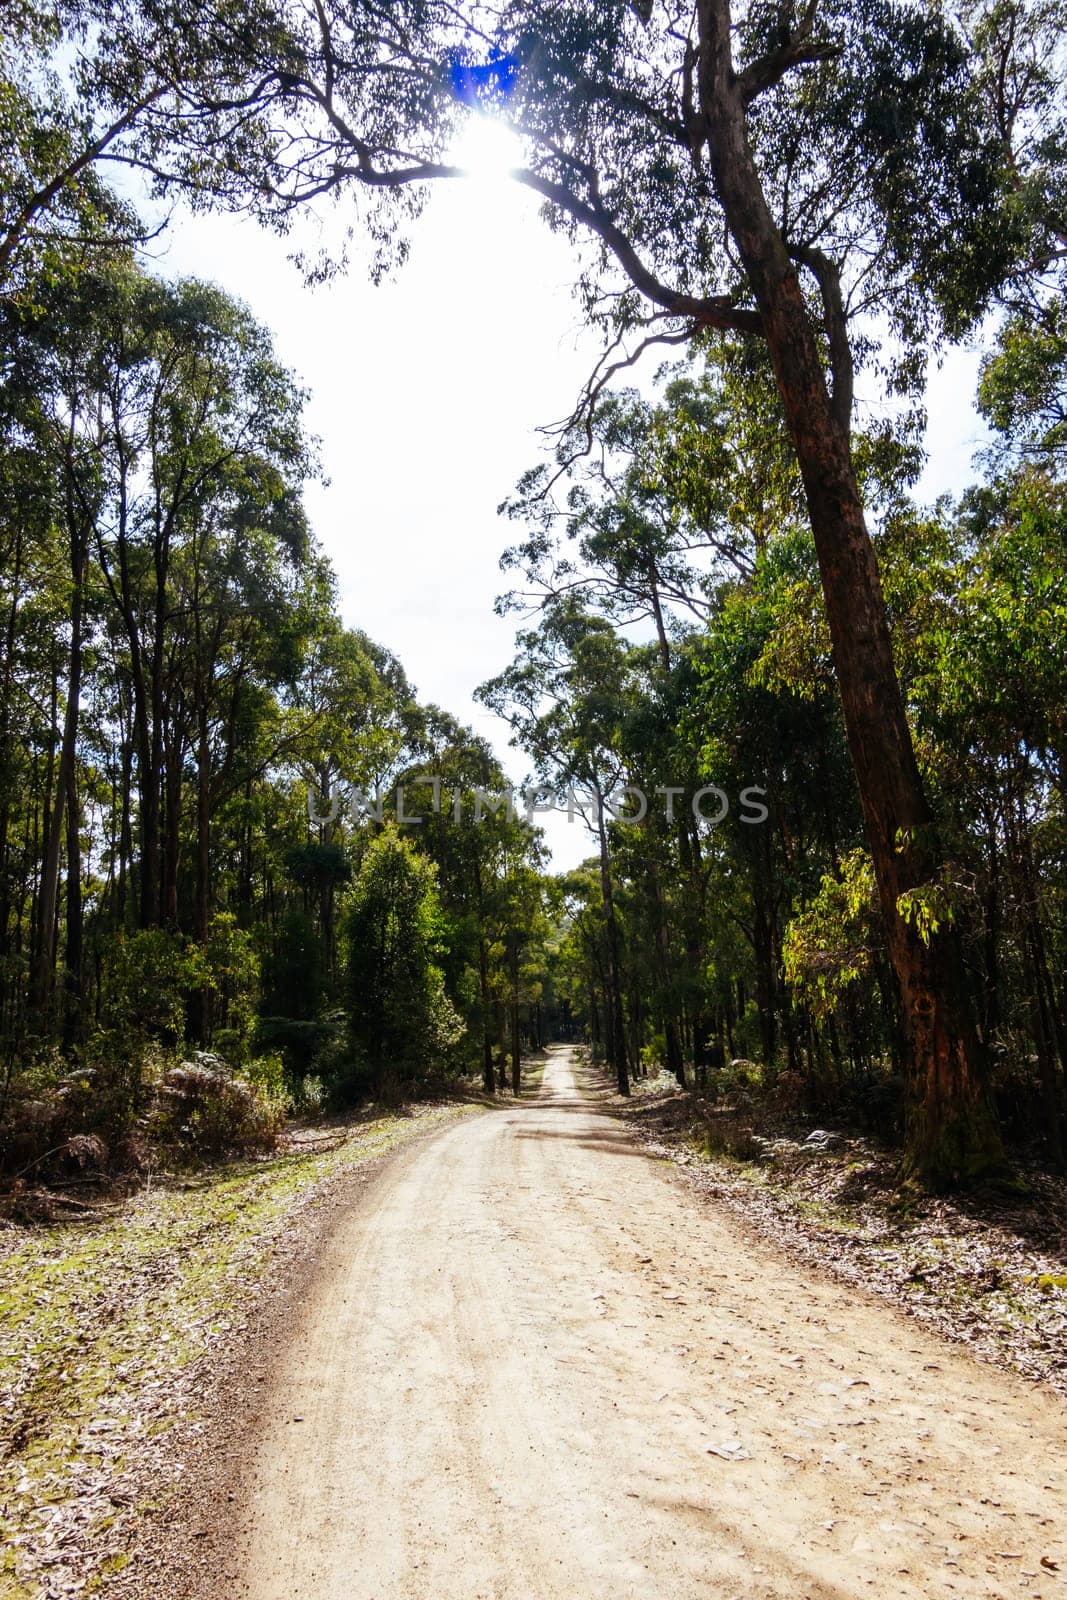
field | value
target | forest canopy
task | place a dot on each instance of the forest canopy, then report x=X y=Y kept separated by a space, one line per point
x=725 y=579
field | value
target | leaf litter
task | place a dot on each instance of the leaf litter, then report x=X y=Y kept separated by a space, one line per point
x=985 y=1272
x=111 y=1329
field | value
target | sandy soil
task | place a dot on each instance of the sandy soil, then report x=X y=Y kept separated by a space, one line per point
x=533 y=1366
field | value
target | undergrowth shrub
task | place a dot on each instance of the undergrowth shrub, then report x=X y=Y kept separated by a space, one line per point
x=123 y=1111
x=205 y=1108
x=727 y=1131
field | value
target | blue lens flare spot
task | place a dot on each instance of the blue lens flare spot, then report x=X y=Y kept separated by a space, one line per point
x=481 y=83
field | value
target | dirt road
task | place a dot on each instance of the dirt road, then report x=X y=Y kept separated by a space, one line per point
x=535 y=1367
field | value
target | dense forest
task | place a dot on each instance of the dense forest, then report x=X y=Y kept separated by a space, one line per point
x=182 y=709
x=815 y=728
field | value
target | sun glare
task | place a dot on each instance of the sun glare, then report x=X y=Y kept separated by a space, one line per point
x=487 y=149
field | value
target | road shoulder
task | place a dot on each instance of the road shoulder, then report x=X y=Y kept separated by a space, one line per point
x=135 y=1348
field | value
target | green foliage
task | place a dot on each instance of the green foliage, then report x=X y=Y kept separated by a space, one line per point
x=402 y=1023
x=227 y=968
x=1023 y=387
x=267 y=1076
x=175 y=682
x=294 y=979
x=927 y=908
x=204 y=1109
x=828 y=946
x=149 y=976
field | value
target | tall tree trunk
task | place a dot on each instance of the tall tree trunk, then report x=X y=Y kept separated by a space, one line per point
x=636 y=1013
x=501 y=1051
x=148 y=804
x=201 y=1009
x=763 y=952
x=163 y=868
x=488 y=1082
x=6 y=767
x=125 y=832
x=675 y=1063
x=488 y=1075
x=616 y=1029
x=72 y=977
x=172 y=836
x=516 y=1042
x=951 y=1135
x=245 y=863
x=694 y=935
x=48 y=895
x=991 y=956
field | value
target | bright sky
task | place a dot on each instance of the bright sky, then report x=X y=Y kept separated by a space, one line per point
x=426 y=394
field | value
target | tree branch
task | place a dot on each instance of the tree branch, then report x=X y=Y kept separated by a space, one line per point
x=799 y=49
x=47 y=193
x=828 y=276
x=706 y=311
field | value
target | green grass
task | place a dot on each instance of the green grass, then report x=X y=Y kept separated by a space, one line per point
x=100 y=1322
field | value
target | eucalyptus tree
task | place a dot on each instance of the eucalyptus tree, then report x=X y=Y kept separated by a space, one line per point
x=488 y=857
x=567 y=696
x=521 y=931
x=345 y=715
x=55 y=208
x=161 y=551
x=51 y=356
x=794 y=175
x=801 y=177
x=206 y=456
x=399 y=1014
x=1023 y=388
x=88 y=88
x=41 y=583
x=990 y=688
x=580 y=961
x=620 y=540
x=667 y=503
